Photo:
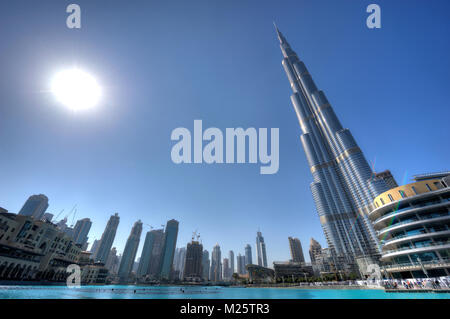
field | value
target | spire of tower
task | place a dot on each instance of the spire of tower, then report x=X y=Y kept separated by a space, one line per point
x=279 y=34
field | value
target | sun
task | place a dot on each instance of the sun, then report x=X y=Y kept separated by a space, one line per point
x=76 y=89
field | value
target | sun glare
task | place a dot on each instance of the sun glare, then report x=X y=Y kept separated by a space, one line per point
x=76 y=89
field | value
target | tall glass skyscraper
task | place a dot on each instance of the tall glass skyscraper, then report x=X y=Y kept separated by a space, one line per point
x=261 y=254
x=179 y=259
x=104 y=247
x=156 y=255
x=215 y=272
x=129 y=253
x=146 y=254
x=248 y=255
x=231 y=258
x=206 y=264
x=35 y=206
x=81 y=231
x=240 y=264
x=344 y=185
x=94 y=248
x=170 y=242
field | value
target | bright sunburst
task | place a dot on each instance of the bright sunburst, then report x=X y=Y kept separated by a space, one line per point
x=76 y=89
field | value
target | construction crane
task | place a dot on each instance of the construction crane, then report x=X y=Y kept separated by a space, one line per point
x=195 y=235
x=73 y=218
x=70 y=212
x=62 y=210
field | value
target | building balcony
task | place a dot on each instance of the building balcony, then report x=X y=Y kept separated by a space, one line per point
x=407 y=211
x=380 y=211
x=409 y=223
x=413 y=250
x=405 y=238
x=411 y=266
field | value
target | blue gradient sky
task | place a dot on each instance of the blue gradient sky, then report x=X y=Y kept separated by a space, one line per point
x=165 y=63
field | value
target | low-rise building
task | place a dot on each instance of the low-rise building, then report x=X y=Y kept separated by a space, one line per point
x=92 y=273
x=259 y=274
x=292 y=271
x=412 y=223
x=34 y=249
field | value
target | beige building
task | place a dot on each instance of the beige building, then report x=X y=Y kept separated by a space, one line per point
x=412 y=223
x=34 y=250
x=91 y=273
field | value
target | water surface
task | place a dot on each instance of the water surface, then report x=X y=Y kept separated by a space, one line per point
x=162 y=292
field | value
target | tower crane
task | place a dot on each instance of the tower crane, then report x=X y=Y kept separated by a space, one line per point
x=62 y=210
x=195 y=235
x=73 y=218
x=70 y=212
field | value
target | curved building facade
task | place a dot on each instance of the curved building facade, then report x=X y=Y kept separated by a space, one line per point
x=412 y=223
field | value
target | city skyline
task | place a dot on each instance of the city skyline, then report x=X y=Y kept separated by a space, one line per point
x=80 y=234
x=123 y=169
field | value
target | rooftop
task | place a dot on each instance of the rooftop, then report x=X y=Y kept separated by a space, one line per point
x=422 y=177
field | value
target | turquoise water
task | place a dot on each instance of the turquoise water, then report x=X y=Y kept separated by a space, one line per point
x=152 y=292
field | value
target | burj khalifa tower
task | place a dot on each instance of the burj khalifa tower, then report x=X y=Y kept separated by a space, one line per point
x=344 y=185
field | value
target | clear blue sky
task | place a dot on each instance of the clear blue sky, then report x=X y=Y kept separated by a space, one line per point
x=165 y=63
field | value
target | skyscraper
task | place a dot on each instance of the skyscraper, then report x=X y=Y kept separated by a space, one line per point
x=112 y=263
x=179 y=259
x=145 y=255
x=296 y=250
x=156 y=256
x=226 y=269
x=107 y=239
x=206 y=264
x=81 y=231
x=129 y=253
x=231 y=258
x=388 y=178
x=94 y=248
x=343 y=184
x=170 y=242
x=248 y=255
x=136 y=265
x=261 y=250
x=35 y=206
x=216 y=264
x=314 y=250
x=193 y=269
x=240 y=264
